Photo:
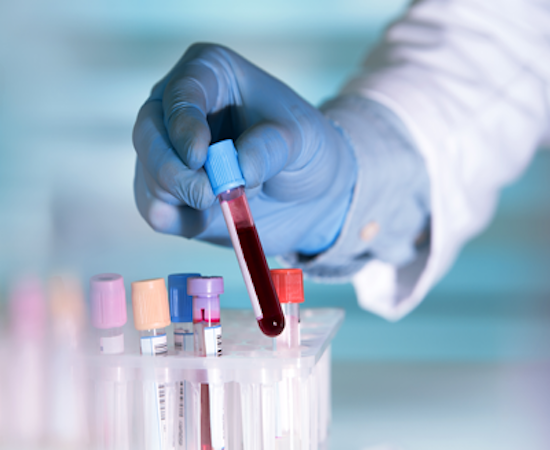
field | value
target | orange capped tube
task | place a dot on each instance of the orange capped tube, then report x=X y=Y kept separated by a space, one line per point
x=151 y=315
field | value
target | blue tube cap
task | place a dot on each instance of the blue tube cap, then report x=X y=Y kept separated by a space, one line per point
x=181 y=304
x=222 y=167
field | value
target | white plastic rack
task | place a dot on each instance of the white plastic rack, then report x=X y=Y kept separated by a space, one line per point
x=253 y=397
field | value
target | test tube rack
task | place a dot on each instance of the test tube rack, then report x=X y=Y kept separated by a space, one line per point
x=272 y=400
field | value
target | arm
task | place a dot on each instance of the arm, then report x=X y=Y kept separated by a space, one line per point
x=449 y=108
x=470 y=81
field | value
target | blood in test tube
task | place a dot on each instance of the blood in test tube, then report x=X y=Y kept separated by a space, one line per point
x=227 y=182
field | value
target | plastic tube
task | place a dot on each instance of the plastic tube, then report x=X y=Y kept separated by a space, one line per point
x=108 y=305
x=67 y=417
x=228 y=183
x=181 y=313
x=290 y=288
x=151 y=317
x=27 y=386
x=208 y=343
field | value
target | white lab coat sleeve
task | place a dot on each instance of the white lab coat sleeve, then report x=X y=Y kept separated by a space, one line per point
x=470 y=81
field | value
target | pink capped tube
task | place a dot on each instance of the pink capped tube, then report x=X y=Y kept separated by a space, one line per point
x=28 y=309
x=108 y=303
x=24 y=399
x=222 y=168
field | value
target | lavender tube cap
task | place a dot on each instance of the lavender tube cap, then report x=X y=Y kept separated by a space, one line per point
x=205 y=286
x=206 y=297
x=108 y=301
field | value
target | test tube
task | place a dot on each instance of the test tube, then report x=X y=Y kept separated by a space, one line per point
x=26 y=386
x=68 y=311
x=181 y=310
x=290 y=288
x=289 y=285
x=151 y=317
x=68 y=424
x=208 y=342
x=222 y=168
x=108 y=307
x=181 y=313
x=108 y=303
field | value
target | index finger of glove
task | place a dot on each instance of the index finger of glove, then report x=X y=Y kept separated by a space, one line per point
x=155 y=152
x=189 y=96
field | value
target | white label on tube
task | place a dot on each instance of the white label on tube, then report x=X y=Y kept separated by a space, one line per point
x=240 y=258
x=161 y=392
x=111 y=345
x=217 y=416
x=166 y=409
x=155 y=424
x=213 y=341
x=183 y=341
x=154 y=345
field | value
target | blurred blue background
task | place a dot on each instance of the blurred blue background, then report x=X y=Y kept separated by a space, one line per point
x=73 y=76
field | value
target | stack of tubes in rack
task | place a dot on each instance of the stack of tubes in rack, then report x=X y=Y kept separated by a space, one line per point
x=45 y=401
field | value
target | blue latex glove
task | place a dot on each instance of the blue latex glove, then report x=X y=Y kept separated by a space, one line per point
x=299 y=168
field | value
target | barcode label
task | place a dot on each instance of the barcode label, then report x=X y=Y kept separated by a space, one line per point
x=181 y=397
x=154 y=345
x=181 y=412
x=183 y=341
x=213 y=341
x=162 y=401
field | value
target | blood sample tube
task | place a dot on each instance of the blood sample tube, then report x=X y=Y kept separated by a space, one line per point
x=206 y=314
x=181 y=313
x=222 y=168
x=25 y=401
x=151 y=317
x=69 y=403
x=111 y=393
x=181 y=310
x=208 y=342
x=108 y=303
x=290 y=288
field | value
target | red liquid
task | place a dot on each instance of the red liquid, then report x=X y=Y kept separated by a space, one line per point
x=273 y=322
x=206 y=439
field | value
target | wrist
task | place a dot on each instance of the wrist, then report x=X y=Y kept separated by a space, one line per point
x=390 y=205
x=332 y=207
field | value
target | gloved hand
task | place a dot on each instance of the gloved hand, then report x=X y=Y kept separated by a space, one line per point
x=299 y=168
